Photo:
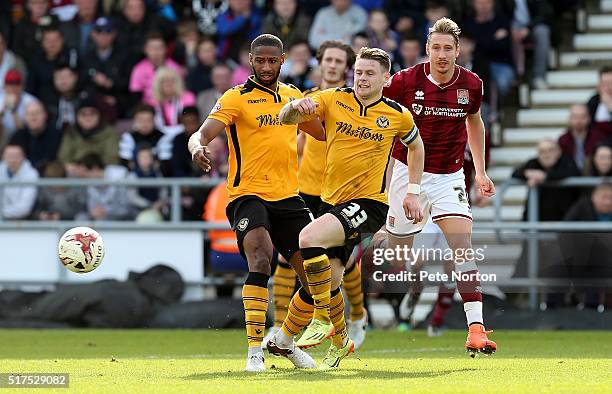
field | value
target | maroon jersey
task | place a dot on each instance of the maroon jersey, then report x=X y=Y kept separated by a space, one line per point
x=439 y=112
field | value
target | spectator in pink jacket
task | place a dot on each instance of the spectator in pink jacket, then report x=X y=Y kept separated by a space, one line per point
x=170 y=97
x=141 y=80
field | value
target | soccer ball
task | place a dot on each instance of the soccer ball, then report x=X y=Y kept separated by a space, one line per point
x=81 y=249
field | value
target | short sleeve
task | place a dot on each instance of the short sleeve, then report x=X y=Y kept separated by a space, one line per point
x=322 y=98
x=477 y=101
x=408 y=130
x=227 y=108
x=393 y=88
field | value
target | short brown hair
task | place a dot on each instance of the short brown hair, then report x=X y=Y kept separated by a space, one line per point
x=350 y=54
x=377 y=54
x=445 y=26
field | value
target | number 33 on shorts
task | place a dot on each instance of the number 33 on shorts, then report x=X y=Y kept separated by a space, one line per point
x=355 y=214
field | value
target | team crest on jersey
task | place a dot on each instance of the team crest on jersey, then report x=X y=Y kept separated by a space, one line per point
x=242 y=224
x=419 y=95
x=417 y=108
x=463 y=96
x=216 y=107
x=382 y=122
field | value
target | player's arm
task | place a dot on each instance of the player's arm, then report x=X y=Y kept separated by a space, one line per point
x=303 y=112
x=476 y=139
x=298 y=111
x=415 y=158
x=224 y=113
x=210 y=129
x=313 y=127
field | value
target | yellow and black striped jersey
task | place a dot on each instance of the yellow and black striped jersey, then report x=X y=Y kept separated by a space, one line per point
x=262 y=151
x=312 y=166
x=359 y=143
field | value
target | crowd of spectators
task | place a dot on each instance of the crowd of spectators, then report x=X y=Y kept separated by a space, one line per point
x=585 y=149
x=113 y=88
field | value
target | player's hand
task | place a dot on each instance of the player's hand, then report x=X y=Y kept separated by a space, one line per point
x=484 y=185
x=201 y=157
x=412 y=208
x=305 y=106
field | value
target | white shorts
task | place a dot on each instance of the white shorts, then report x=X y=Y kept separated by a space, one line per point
x=442 y=196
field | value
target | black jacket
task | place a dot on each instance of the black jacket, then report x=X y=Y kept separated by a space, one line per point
x=40 y=149
x=554 y=201
x=115 y=67
x=40 y=73
x=131 y=37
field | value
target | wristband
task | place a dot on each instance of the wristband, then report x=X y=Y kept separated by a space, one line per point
x=413 y=188
x=193 y=145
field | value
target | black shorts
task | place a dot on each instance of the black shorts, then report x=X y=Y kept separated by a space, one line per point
x=283 y=219
x=312 y=202
x=361 y=218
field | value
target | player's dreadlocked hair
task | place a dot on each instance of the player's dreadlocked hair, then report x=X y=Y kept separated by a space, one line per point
x=445 y=26
x=267 y=40
x=377 y=54
x=350 y=54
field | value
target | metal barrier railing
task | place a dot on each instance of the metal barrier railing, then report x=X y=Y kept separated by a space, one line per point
x=174 y=184
x=532 y=227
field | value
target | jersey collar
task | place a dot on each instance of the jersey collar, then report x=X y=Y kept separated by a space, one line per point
x=427 y=71
x=252 y=83
x=363 y=110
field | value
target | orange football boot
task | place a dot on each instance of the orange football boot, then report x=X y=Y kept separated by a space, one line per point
x=477 y=341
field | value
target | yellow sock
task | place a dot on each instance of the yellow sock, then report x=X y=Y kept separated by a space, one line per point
x=352 y=284
x=318 y=272
x=255 y=300
x=336 y=313
x=283 y=285
x=300 y=313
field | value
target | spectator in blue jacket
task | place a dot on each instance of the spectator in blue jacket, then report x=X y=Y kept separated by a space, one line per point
x=239 y=24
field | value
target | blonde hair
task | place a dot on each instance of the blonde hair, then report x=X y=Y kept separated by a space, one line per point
x=163 y=73
x=445 y=26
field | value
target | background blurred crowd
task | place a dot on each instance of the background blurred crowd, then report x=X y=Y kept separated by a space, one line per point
x=113 y=89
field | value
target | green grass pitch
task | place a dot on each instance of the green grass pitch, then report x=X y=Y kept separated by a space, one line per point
x=196 y=361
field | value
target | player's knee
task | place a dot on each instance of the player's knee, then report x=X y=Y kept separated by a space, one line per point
x=380 y=240
x=309 y=238
x=458 y=237
x=461 y=244
x=259 y=259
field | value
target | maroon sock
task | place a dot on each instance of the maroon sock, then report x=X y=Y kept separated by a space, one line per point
x=468 y=285
x=443 y=304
